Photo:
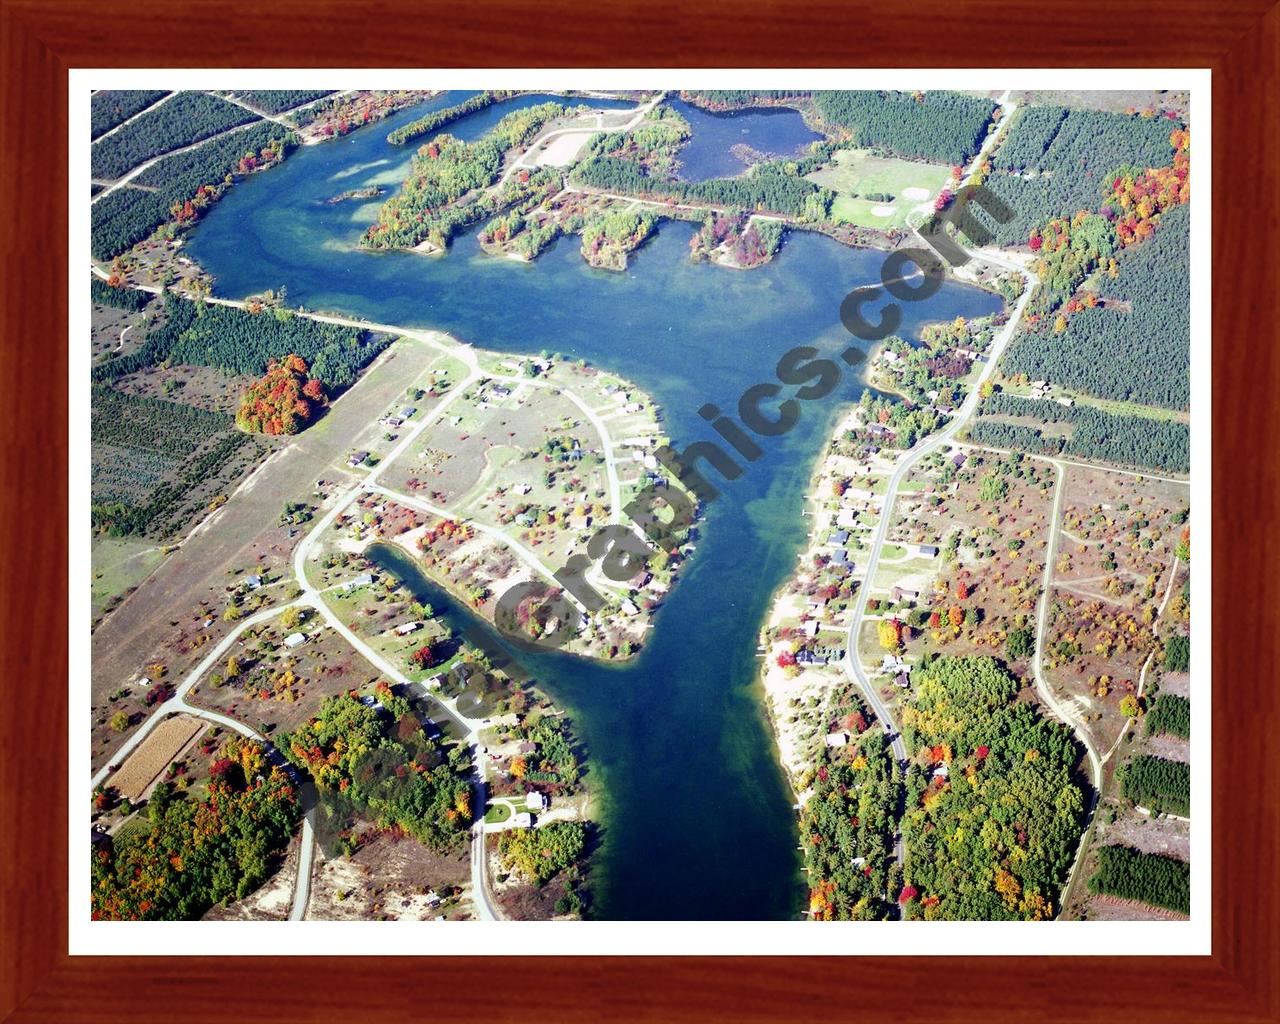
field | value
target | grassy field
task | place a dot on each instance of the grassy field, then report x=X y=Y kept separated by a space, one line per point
x=856 y=173
x=118 y=564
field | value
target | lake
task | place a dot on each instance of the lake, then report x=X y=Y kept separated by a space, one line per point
x=780 y=132
x=696 y=812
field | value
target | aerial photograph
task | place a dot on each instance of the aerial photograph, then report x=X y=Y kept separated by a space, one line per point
x=619 y=505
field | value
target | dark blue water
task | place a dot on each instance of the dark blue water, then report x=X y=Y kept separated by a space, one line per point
x=696 y=812
x=709 y=153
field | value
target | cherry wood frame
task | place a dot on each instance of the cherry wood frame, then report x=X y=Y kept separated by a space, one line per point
x=41 y=39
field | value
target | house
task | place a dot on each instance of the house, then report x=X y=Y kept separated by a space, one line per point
x=535 y=801
x=253 y=582
x=499 y=392
x=394 y=421
x=837 y=739
x=941 y=772
x=407 y=412
x=820 y=654
x=927 y=550
x=889 y=356
x=405 y=628
x=359 y=581
x=370 y=701
x=838 y=538
x=967 y=353
x=524 y=519
x=958 y=460
x=811 y=628
x=523 y=820
x=295 y=640
x=902 y=680
x=847 y=518
x=1068 y=402
x=527 y=747
x=840 y=557
x=629 y=607
x=893 y=664
x=523 y=488
x=357 y=459
x=898 y=594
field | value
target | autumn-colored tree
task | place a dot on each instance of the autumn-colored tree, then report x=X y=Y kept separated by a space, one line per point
x=119 y=721
x=956 y=616
x=519 y=767
x=233 y=667
x=283 y=401
x=890 y=631
x=962 y=590
x=935 y=620
x=1129 y=706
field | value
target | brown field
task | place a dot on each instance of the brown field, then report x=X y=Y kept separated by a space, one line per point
x=387 y=879
x=202 y=386
x=143 y=767
x=106 y=323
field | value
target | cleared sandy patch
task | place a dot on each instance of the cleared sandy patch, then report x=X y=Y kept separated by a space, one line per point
x=886 y=211
x=915 y=192
x=144 y=765
x=563 y=149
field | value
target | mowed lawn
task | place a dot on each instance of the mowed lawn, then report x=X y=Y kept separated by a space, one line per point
x=856 y=173
x=118 y=564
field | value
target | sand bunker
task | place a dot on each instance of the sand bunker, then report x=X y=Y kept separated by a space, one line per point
x=915 y=193
x=882 y=211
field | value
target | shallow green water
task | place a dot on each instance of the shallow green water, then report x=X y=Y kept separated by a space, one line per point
x=697 y=814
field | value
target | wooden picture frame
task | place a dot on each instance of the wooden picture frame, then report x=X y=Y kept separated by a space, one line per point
x=41 y=39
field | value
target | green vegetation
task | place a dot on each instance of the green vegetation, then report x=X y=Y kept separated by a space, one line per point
x=128 y=215
x=367 y=761
x=1069 y=158
x=1158 y=785
x=122 y=298
x=740 y=99
x=1170 y=714
x=1094 y=434
x=768 y=188
x=553 y=762
x=110 y=107
x=848 y=827
x=446 y=169
x=542 y=853
x=992 y=817
x=273 y=101
x=437 y=119
x=654 y=144
x=1177 y=654
x=187 y=118
x=231 y=339
x=1021 y=643
x=197 y=853
x=1151 y=878
x=606 y=240
x=156 y=463
x=940 y=126
x=1136 y=345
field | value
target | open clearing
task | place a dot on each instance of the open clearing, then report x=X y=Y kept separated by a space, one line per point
x=857 y=176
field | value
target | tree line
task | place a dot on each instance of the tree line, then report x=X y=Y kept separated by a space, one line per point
x=1169 y=714
x=110 y=107
x=273 y=101
x=1096 y=435
x=231 y=339
x=1151 y=878
x=187 y=118
x=1158 y=784
x=128 y=215
x=945 y=127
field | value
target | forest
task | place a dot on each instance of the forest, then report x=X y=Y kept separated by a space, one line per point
x=376 y=760
x=992 y=814
x=437 y=119
x=282 y=402
x=848 y=825
x=231 y=339
x=110 y=107
x=944 y=127
x=1095 y=435
x=542 y=853
x=187 y=118
x=128 y=215
x=1160 y=786
x=740 y=99
x=275 y=101
x=1070 y=158
x=152 y=461
x=197 y=853
x=1151 y=878
x=1136 y=345
x=1169 y=714
x=121 y=298
x=767 y=188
